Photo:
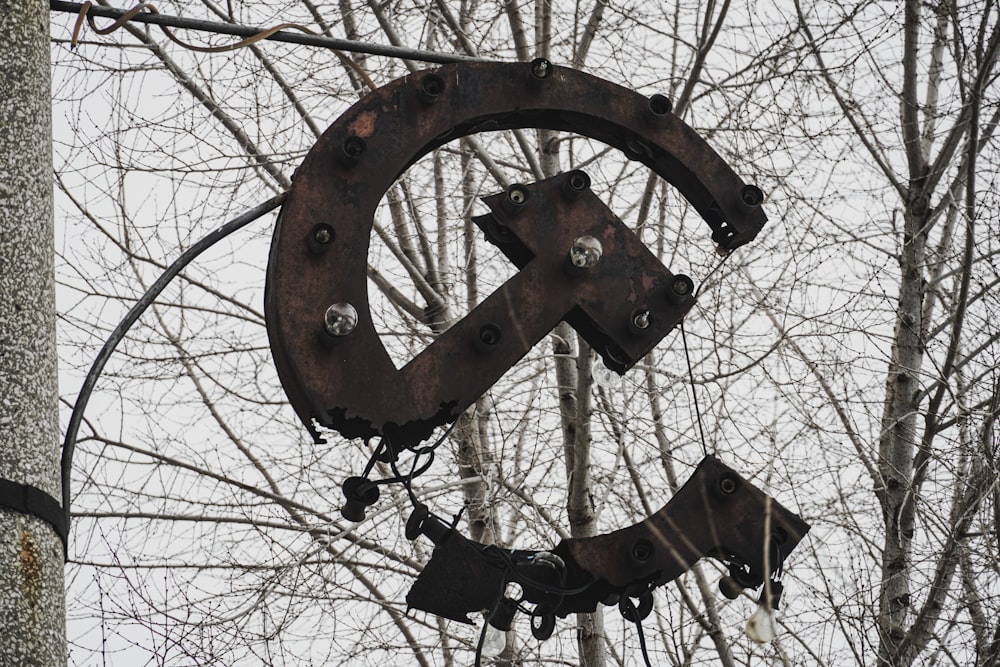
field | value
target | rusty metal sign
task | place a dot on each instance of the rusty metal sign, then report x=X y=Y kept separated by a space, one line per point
x=317 y=269
x=577 y=262
x=716 y=514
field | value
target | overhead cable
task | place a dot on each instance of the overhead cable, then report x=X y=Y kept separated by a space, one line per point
x=140 y=306
x=147 y=14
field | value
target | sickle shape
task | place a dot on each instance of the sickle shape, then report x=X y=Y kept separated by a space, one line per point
x=320 y=246
x=715 y=514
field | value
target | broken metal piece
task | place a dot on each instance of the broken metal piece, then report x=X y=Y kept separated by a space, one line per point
x=716 y=514
x=319 y=252
x=458 y=580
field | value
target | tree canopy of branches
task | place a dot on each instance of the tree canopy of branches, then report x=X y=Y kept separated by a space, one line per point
x=846 y=361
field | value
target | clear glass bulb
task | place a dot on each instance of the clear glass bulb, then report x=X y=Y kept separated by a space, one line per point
x=494 y=642
x=762 y=626
x=605 y=377
x=340 y=319
x=586 y=252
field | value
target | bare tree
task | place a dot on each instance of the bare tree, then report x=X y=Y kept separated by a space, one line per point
x=932 y=472
x=846 y=361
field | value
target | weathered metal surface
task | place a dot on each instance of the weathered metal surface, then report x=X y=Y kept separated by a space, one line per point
x=599 y=302
x=458 y=580
x=716 y=514
x=320 y=247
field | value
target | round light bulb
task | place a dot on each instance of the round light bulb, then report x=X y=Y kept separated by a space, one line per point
x=340 y=319
x=605 y=377
x=586 y=252
x=641 y=320
x=494 y=642
x=762 y=626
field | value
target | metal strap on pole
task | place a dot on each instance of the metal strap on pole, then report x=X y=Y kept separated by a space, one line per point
x=31 y=500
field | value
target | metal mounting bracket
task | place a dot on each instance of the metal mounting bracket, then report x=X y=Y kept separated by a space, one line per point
x=31 y=500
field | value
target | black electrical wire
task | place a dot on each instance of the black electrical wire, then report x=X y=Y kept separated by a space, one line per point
x=634 y=613
x=72 y=430
x=711 y=273
x=694 y=392
x=407 y=479
x=495 y=555
x=374 y=457
x=440 y=441
x=687 y=357
x=385 y=445
x=280 y=36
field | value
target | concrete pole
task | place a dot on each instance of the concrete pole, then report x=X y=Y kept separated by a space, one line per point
x=32 y=588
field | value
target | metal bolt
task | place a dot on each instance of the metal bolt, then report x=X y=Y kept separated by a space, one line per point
x=730 y=588
x=489 y=334
x=541 y=68
x=681 y=285
x=642 y=550
x=353 y=148
x=431 y=88
x=615 y=355
x=752 y=195
x=323 y=235
x=728 y=485
x=641 y=319
x=351 y=151
x=515 y=199
x=577 y=182
x=660 y=105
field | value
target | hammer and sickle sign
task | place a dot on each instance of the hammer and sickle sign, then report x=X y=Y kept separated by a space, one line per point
x=330 y=360
x=576 y=262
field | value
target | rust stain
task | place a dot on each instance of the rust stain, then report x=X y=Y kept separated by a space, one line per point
x=31 y=567
x=364 y=125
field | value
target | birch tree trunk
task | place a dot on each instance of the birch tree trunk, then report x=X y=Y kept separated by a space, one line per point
x=32 y=600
